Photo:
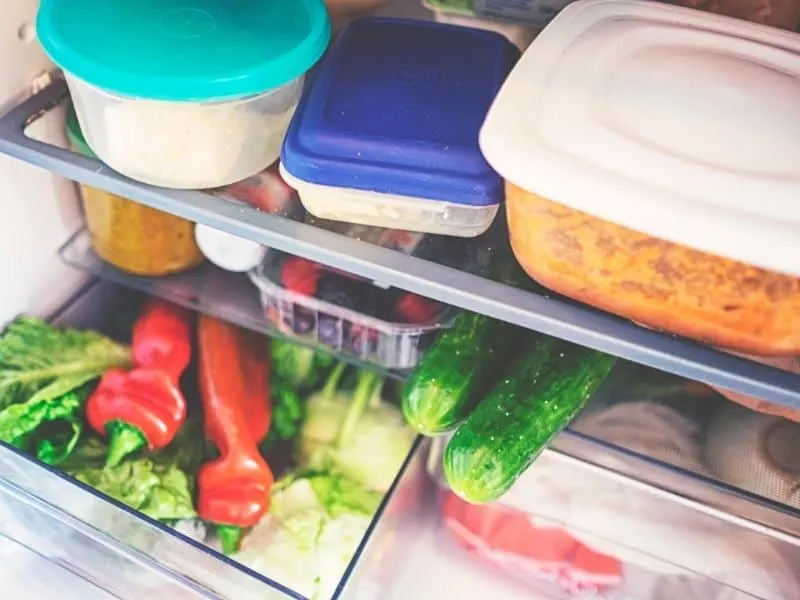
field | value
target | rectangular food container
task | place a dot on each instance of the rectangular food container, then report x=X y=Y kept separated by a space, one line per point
x=652 y=169
x=572 y=529
x=387 y=134
x=115 y=549
x=318 y=305
x=193 y=95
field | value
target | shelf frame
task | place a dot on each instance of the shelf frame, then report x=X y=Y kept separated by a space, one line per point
x=550 y=315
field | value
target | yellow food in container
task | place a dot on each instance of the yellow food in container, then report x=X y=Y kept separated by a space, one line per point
x=654 y=282
x=133 y=237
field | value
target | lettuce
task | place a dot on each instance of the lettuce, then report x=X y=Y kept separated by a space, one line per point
x=316 y=521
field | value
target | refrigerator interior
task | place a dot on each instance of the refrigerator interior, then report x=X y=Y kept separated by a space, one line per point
x=687 y=465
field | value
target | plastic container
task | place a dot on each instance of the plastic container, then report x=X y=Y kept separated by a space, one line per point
x=388 y=133
x=318 y=305
x=569 y=529
x=131 y=236
x=651 y=159
x=115 y=548
x=184 y=94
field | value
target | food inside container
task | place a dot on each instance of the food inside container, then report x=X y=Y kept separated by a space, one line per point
x=185 y=95
x=321 y=305
x=387 y=134
x=131 y=236
x=568 y=529
x=658 y=174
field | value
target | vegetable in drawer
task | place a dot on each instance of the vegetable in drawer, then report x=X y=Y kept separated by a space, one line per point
x=145 y=406
x=234 y=489
x=454 y=372
x=509 y=429
x=43 y=376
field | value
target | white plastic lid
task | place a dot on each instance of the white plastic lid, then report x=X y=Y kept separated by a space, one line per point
x=676 y=123
x=227 y=251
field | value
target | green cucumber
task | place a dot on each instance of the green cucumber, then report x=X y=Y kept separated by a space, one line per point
x=510 y=428
x=455 y=373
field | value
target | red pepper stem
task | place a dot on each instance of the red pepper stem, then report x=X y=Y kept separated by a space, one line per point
x=230 y=537
x=123 y=440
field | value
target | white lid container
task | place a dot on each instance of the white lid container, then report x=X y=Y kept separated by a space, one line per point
x=675 y=123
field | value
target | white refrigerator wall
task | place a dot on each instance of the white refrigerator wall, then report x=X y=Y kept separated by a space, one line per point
x=38 y=211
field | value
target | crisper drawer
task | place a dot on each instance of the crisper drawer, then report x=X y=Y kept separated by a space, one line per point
x=570 y=528
x=128 y=556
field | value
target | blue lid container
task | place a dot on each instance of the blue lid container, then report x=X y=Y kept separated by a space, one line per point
x=396 y=107
x=184 y=50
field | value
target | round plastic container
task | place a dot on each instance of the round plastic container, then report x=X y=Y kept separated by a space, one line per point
x=185 y=94
x=133 y=237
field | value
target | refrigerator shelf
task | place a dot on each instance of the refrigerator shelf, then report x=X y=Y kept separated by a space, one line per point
x=542 y=312
x=206 y=289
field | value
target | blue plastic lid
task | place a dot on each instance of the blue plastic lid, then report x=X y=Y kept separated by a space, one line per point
x=396 y=107
x=184 y=49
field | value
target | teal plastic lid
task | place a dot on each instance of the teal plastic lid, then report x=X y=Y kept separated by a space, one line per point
x=195 y=50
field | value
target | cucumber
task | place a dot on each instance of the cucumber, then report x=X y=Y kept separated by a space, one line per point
x=455 y=373
x=509 y=429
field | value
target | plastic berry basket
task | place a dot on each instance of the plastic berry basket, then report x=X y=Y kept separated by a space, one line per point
x=340 y=311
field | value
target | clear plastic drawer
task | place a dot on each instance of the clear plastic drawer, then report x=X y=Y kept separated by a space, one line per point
x=117 y=551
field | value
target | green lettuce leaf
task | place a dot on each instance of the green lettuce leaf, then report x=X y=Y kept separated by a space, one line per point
x=48 y=427
x=42 y=362
x=162 y=492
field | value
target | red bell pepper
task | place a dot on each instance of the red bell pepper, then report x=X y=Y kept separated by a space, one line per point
x=136 y=408
x=162 y=338
x=234 y=489
x=145 y=407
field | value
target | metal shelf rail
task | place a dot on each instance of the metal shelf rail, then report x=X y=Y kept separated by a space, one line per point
x=548 y=314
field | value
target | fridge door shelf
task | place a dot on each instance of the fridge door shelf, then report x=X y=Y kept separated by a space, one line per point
x=129 y=556
x=535 y=310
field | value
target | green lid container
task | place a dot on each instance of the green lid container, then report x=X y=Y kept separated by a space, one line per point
x=184 y=50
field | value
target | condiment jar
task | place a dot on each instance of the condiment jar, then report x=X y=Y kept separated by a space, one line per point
x=131 y=236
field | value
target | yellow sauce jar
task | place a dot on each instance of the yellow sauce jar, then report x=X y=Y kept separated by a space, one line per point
x=133 y=237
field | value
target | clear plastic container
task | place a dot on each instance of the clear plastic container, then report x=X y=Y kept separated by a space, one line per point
x=185 y=144
x=188 y=95
x=353 y=316
x=571 y=529
x=377 y=140
x=116 y=549
x=644 y=184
